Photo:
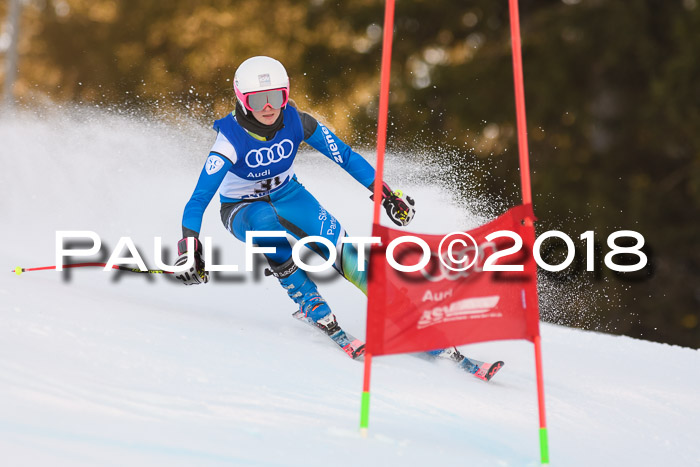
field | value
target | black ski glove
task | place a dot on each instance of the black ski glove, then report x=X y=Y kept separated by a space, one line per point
x=196 y=274
x=400 y=209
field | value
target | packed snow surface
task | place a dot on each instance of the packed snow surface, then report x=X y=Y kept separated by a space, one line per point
x=109 y=368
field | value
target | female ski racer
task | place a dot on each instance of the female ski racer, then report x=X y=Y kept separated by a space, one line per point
x=252 y=166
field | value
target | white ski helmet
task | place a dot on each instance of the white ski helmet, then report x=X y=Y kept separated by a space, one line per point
x=258 y=74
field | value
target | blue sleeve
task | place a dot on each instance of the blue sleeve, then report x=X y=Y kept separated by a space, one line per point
x=324 y=141
x=213 y=173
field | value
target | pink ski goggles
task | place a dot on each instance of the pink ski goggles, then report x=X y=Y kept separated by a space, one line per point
x=257 y=101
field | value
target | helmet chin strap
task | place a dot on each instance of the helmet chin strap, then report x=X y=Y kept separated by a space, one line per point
x=239 y=106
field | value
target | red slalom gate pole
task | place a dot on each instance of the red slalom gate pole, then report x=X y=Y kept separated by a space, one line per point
x=364 y=408
x=379 y=177
x=518 y=80
x=544 y=442
x=383 y=106
x=527 y=199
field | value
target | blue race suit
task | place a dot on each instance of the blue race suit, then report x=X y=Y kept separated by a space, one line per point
x=259 y=190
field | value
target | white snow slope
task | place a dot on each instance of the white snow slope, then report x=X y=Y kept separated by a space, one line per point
x=122 y=369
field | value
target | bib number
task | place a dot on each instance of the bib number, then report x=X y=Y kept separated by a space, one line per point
x=267 y=185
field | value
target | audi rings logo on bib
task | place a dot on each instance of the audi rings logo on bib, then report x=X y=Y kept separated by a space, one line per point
x=265 y=156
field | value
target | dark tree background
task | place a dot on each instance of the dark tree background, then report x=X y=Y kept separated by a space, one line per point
x=612 y=94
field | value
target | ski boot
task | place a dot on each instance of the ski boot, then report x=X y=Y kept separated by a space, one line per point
x=451 y=353
x=303 y=291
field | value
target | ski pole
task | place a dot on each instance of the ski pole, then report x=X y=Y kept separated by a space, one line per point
x=19 y=270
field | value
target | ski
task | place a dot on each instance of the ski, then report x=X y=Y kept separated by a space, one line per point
x=352 y=346
x=482 y=370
